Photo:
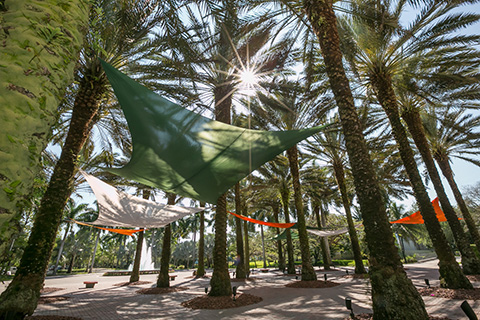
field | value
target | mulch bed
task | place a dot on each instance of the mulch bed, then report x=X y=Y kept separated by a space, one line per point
x=207 y=302
x=50 y=289
x=458 y=294
x=369 y=316
x=161 y=290
x=136 y=283
x=51 y=299
x=474 y=278
x=52 y=318
x=312 y=284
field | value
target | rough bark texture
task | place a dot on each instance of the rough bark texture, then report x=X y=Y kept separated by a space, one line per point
x=220 y=282
x=451 y=274
x=23 y=292
x=201 y=244
x=163 y=280
x=286 y=212
x=393 y=294
x=281 y=258
x=470 y=262
x=308 y=273
x=135 y=276
x=247 y=246
x=357 y=254
x=325 y=255
x=240 y=270
x=40 y=42
x=444 y=164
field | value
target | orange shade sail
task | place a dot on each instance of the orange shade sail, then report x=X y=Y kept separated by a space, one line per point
x=128 y=232
x=416 y=218
x=270 y=224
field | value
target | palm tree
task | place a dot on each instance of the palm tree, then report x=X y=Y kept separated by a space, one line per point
x=240 y=267
x=330 y=145
x=201 y=244
x=377 y=55
x=385 y=285
x=163 y=280
x=71 y=212
x=118 y=32
x=452 y=134
x=38 y=59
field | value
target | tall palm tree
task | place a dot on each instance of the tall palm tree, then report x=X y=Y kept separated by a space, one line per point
x=330 y=145
x=71 y=212
x=452 y=134
x=163 y=280
x=38 y=59
x=384 y=256
x=240 y=267
x=378 y=56
x=117 y=33
x=201 y=244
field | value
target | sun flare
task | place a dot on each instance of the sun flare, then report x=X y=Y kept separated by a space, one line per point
x=248 y=78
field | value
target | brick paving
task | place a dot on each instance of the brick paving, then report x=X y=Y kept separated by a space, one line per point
x=108 y=302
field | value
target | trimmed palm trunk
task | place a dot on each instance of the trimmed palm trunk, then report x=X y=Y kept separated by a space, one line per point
x=163 y=280
x=40 y=44
x=22 y=294
x=90 y=270
x=135 y=276
x=451 y=274
x=393 y=295
x=240 y=270
x=220 y=281
x=323 y=217
x=323 y=246
x=286 y=212
x=60 y=250
x=308 y=273
x=357 y=254
x=444 y=164
x=201 y=244
x=470 y=262
x=281 y=258
x=247 y=246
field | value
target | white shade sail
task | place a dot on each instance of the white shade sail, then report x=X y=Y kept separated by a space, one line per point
x=328 y=233
x=120 y=209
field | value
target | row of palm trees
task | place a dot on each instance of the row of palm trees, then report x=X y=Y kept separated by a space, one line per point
x=199 y=47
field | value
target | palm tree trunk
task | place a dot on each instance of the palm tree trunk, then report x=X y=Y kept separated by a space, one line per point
x=163 y=280
x=323 y=216
x=23 y=292
x=135 y=275
x=247 y=246
x=326 y=258
x=263 y=246
x=60 y=250
x=357 y=254
x=220 y=282
x=470 y=262
x=281 y=258
x=308 y=273
x=36 y=69
x=450 y=273
x=291 y=259
x=201 y=244
x=386 y=272
x=94 y=252
x=444 y=165
x=240 y=270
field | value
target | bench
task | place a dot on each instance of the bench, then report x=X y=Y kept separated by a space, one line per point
x=264 y=270
x=90 y=284
x=172 y=277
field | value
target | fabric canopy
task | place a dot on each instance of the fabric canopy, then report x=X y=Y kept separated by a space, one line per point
x=270 y=224
x=128 y=232
x=120 y=209
x=416 y=218
x=328 y=233
x=185 y=153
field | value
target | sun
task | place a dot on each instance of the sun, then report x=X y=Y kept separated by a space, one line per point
x=248 y=78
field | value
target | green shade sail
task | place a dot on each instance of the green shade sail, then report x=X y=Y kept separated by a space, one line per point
x=182 y=152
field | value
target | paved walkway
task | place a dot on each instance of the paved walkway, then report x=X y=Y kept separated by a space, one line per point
x=107 y=302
